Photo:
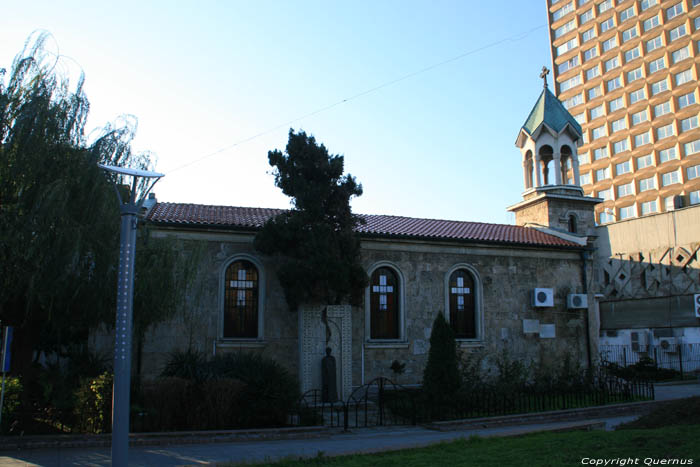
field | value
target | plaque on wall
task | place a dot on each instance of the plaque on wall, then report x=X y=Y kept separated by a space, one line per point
x=531 y=326
x=547 y=331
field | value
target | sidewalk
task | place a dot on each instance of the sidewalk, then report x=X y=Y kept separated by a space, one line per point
x=331 y=443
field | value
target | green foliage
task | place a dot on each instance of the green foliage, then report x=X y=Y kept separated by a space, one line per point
x=93 y=404
x=59 y=219
x=644 y=369
x=269 y=393
x=473 y=374
x=234 y=390
x=316 y=247
x=11 y=404
x=661 y=446
x=186 y=364
x=511 y=374
x=441 y=378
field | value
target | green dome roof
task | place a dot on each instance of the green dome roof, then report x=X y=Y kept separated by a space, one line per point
x=550 y=111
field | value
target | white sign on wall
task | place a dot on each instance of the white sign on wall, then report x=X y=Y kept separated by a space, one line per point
x=547 y=331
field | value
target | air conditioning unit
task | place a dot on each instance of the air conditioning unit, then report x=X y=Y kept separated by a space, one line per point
x=668 y=344
x=543 y=298
x=696 y=302
x=576 y=301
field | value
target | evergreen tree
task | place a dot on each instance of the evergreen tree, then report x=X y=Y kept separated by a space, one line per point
x=441 y=378
x=315 y=243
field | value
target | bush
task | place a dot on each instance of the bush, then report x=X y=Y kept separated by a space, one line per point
x=188 y=364
x=269 y=394
x=93 y=404
x=644 y=369
x=11 y=403
x=167 y=404
x=235 y=390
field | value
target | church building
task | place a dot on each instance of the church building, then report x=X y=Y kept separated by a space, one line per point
x=523 y=288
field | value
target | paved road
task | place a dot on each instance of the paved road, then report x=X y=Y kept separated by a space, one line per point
x=364 y=440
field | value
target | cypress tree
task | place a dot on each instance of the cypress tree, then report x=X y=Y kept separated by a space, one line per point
x=441 y=378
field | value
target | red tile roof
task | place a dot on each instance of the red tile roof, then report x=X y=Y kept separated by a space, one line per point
x=240 y=218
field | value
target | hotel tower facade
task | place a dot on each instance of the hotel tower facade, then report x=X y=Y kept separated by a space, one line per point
x=627 y=70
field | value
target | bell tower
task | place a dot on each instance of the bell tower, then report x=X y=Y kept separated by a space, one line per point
x=553 y=198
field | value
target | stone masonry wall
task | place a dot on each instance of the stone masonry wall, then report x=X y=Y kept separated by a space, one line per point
x=508 y=276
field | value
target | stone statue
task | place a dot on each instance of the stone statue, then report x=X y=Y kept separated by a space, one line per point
x=329 y=388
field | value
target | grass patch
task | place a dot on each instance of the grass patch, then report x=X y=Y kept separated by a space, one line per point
x=677 y=412
x=540 y=449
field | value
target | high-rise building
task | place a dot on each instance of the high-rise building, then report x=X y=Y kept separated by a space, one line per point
x=627 y=70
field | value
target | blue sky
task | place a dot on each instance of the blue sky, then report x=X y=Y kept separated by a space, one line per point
x=203 y=76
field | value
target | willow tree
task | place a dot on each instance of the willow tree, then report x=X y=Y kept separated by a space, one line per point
x=315 y=244
x=58 y=214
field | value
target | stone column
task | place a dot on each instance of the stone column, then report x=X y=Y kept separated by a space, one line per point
x=526 y=175
x=557 y=168
x=537 y=169
x=577 y=175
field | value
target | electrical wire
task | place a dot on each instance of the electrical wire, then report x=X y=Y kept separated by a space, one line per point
x=515 y=37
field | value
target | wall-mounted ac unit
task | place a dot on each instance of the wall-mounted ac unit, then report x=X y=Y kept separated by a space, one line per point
x=668 y=344
x=696 y=301
x=543 y=298
x=575 y=301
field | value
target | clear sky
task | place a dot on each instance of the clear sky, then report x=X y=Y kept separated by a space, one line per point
x=203 y=76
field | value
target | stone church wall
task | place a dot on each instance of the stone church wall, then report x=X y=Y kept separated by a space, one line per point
x=507 y=277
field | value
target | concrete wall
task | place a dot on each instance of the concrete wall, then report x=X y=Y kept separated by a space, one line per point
x=647 y=270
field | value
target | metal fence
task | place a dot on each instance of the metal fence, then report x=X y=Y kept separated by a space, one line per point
x=383 y=402
x=683 y=358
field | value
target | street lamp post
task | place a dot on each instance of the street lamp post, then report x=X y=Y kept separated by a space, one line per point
x=129 y=211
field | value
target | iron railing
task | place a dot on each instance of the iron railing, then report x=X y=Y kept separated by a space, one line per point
x=683 y=358
x=381 y=402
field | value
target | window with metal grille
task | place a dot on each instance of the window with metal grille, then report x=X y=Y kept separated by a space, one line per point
x=384 y=304
x=462 y=304
x=241 y=300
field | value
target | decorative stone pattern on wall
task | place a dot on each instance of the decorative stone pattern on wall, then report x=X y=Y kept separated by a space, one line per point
x=661 y=272
x=313 y=333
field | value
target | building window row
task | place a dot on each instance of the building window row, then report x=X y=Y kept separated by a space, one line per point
x=626 y=35
x=243 y=297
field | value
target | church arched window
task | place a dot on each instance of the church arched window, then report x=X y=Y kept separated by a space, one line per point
x=384 y=304
x=241 y=300
x=462 y=302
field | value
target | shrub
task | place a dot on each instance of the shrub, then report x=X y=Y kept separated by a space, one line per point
x=235 y=390
x=93 y=404
x=441 y=376
x=11 y=403
x=188 y=364
x=644 y=369
x=269 y=394
x=168 y=404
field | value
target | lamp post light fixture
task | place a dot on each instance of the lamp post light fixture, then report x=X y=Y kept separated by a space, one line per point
x=129 y=210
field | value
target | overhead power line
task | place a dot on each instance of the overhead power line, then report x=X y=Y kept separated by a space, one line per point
x=513 y=38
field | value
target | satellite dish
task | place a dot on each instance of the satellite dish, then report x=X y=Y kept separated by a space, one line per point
x=131 y=172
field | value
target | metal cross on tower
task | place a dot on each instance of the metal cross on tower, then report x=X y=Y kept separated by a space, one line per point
x=543 y=75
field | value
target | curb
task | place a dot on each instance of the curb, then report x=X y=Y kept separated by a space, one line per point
x=8 y=443
x=551 y=416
